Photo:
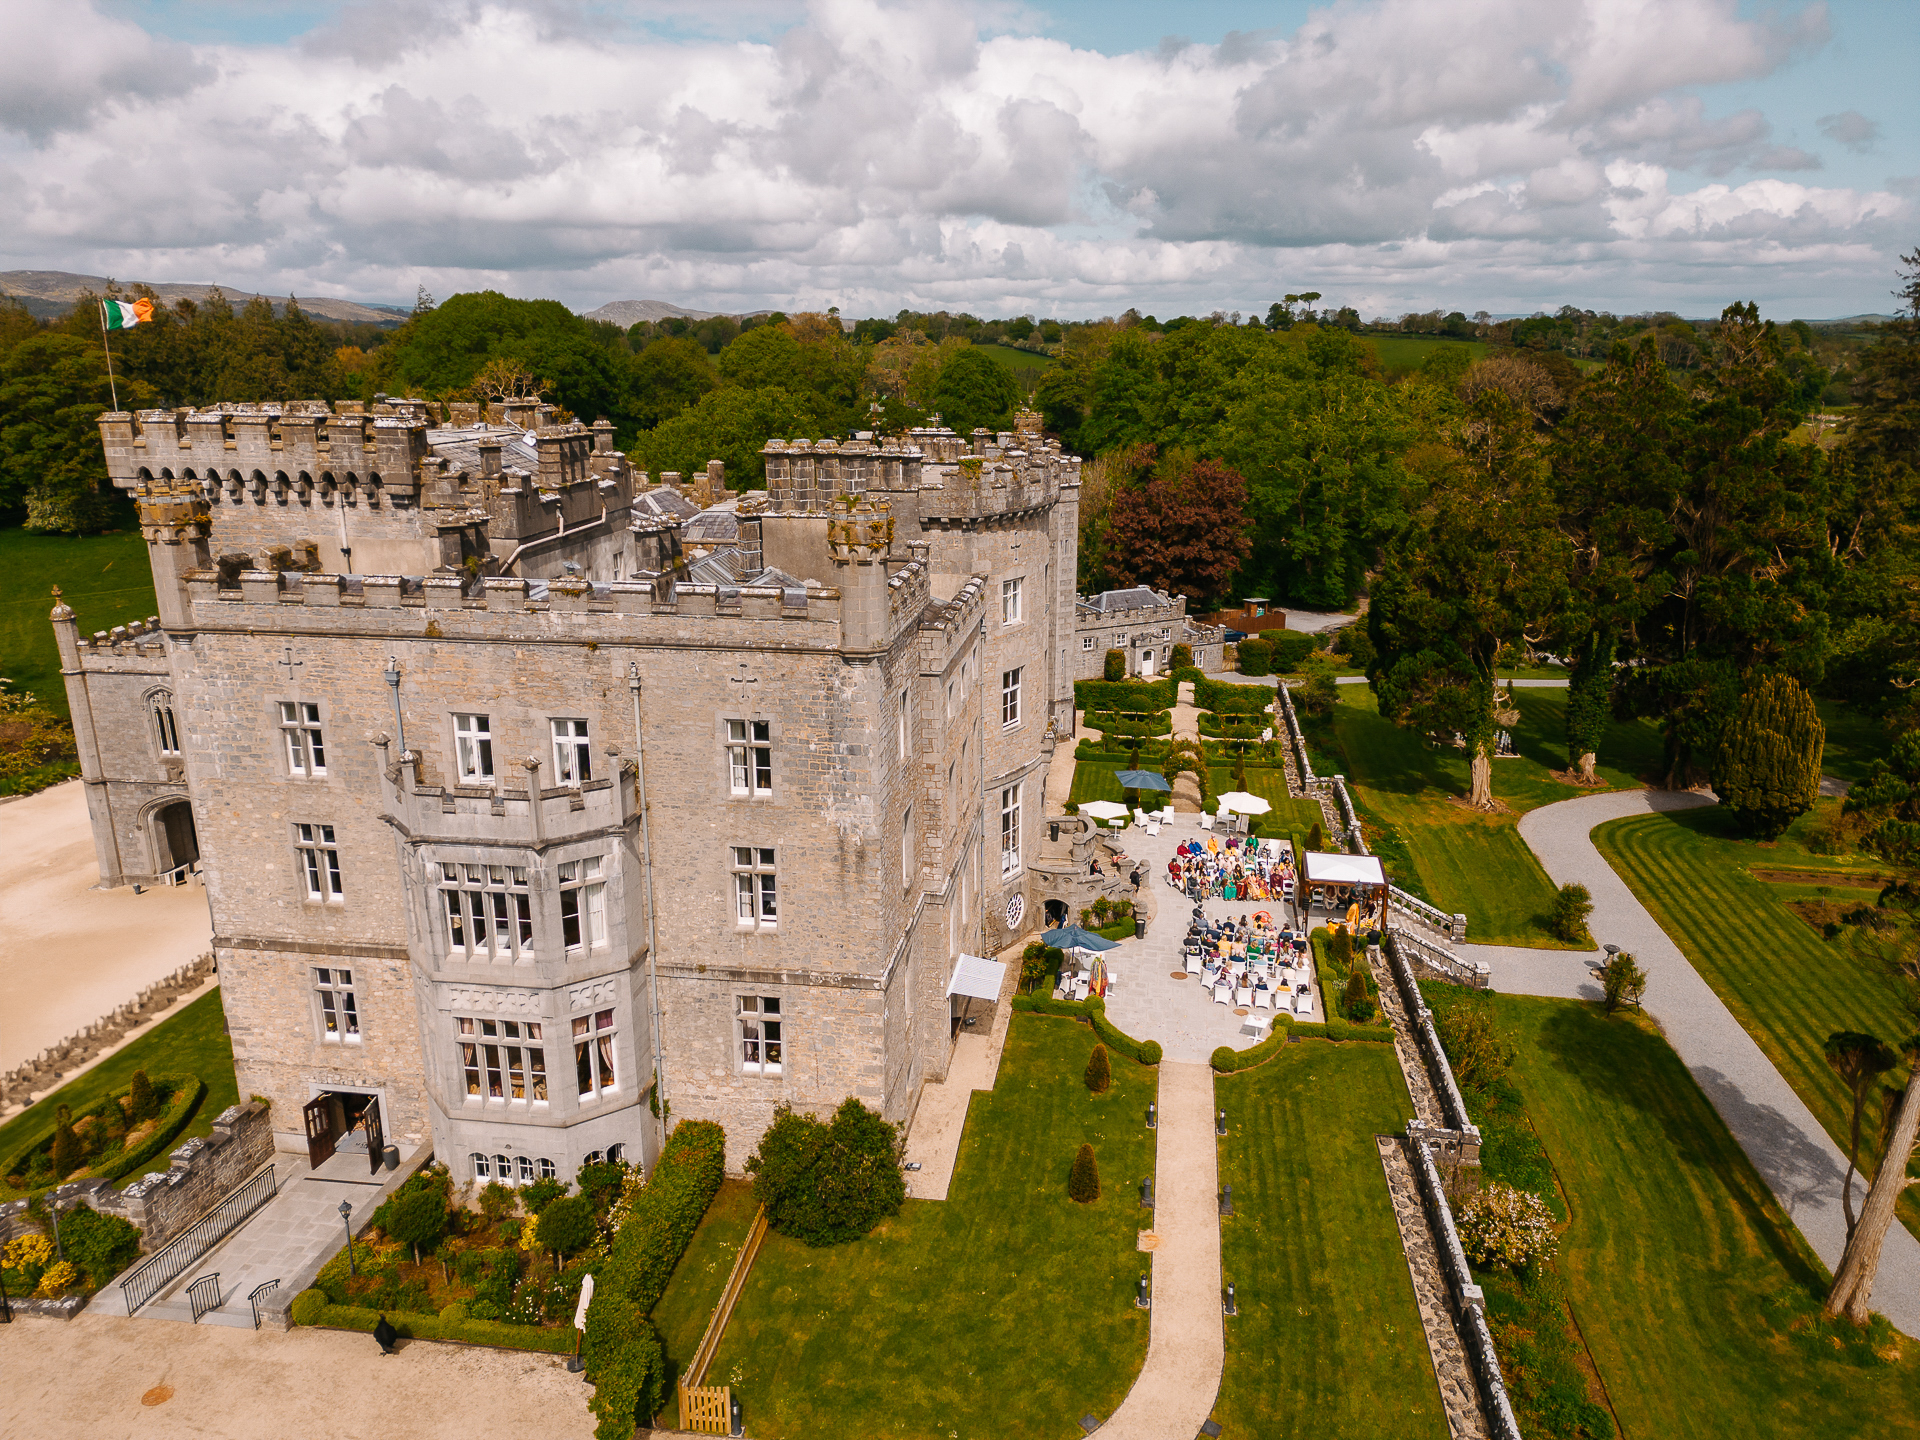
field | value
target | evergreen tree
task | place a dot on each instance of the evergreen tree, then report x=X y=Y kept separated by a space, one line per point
x=141 y=1101
x=1083 y=1181
x=1099 y=1075
x=66 y=1145
x=1767 y=770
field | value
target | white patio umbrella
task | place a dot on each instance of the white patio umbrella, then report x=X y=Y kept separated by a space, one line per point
x=1241 y=803
x=1104 y=809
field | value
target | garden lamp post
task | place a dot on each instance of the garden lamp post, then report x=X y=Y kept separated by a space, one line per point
x=346 y=1219
x=53 y=1207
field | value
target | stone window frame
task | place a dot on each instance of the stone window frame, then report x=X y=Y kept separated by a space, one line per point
x=475 y=1069
x=165 y=725
x=1011 y=860
x=316 y=863
x=514 y=1170
x=1011 y=713
x=906 y=850
x=283 y=730
x=1086 y=642
x=763 y=867
x=749 y=742
x=750 y=1035
x=1013 y=599
x=345 y=1011
x=593 y=1043
x=515 y=952
x=573 y=752
x=482 y=738
x=584 y=875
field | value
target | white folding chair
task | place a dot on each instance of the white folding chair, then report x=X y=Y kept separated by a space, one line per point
x=1206 y=821
x=1193 y=964
x=1303 y=1004
x=1223 y=994
x=1263 y=999
x=1243 y=995
x=1153 y=827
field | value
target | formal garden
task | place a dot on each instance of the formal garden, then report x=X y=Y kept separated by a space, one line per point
x=1327 y=1339
x=1646 y=1282
x=187 y=1063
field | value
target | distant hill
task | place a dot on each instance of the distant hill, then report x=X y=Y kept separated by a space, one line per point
x=1858 y=320
x=51 y=293
x=631 y=312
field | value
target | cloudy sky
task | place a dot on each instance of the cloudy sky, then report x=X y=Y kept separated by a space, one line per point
x=1059 y=158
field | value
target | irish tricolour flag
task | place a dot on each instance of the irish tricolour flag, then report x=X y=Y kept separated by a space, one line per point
x=124 y=315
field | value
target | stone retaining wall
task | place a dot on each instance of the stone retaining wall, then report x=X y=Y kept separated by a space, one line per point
x=56 y=1062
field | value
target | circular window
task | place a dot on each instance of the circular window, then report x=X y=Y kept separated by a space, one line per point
x=1016 y=907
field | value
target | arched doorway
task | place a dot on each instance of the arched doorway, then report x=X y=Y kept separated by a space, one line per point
x=176 y=846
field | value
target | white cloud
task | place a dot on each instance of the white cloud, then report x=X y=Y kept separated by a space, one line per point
x=874 y=155
x=1851 y=129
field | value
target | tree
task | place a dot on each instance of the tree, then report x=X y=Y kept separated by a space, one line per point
x=52 y=390
x=1481 y=566
x=1571 y=907
x=1181 y=658
x=974 y=389
x=1099 y=1075
x=418 y=1217
x=1354 y=1002
x=828 y=1183
x=1853 y=1281
x=1183 y=530
x=66 y=1144
x=1114 y=667
x=1859 y=1060
x=1622 y=982
x=566 y=1226
x=1083 y=1181
x=1320 y=694
x=732 y=425
x=141 y=1101
x=1480 y=1051
x=669 y=376
x=1767 y=771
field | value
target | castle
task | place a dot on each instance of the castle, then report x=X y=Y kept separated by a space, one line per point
x=537 y=804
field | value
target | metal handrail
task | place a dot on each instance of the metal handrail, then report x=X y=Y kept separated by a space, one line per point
x=204 y=1295
x=253 y=1298
x=173 y=1259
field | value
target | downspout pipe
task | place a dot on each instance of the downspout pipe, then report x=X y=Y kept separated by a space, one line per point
x=653 y=929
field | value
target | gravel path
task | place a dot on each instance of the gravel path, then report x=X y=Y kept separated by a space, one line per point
x=1793 y=1154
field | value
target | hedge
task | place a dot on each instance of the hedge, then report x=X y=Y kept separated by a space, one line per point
x=184 y=1093
x=1254 y=656
x=1130 y=697
x=1094 y=1011
x=625 y=1360
x=1186 y=675
x=1231 y=727
x=1223 y=697
x=552 y=1339
x=1226 y=1059
x=1108 y=722
x=1290 y=647
x=1331 y=982
x=1150 y=750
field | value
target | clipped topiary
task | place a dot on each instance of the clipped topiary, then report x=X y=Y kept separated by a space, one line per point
x=1355 y=994
x=1255 y=656
x=1083 y=1183
x=1150 y=1052
x=454 y=1313
x=1116 y=666
x=1340 y=948
x=1767 y=766
x=142 y=1103
x=1224 y=1059
x=1315 y=840
x=1099 y=1071
x=66 y=1145
x=1181 y=658
x=309 y=1306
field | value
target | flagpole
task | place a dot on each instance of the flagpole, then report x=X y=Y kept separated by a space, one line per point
x=112 y=388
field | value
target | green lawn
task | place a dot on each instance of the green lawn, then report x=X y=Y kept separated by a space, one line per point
x=105 y=578
x=1328 y=1340
x=193 y=1041
x=1014 y=358
x=1854 y=741
x=1408 y=352
x=698 y=1280
x=1697 y=1297
x=1789 y=987
x=1004 y=1310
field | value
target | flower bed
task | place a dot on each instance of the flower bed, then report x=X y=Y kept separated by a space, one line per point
x=111 y=1144
x=98 y=1248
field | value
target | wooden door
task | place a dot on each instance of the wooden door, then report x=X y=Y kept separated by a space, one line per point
x=376 y=1141
x=318 y=1115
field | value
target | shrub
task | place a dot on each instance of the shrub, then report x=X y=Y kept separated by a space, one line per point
x=1181 y=658
x=1125 y=697
x=1622 y=982
x=66 y=1145
x=510 y=1232
x=28 y=1249
x=828 y=1183
x=1150 y=1052
x=1226 y=1059
x=1767 y=766
x=542 y=1193
x=1321 y=693
x=58 y=1278
x=1571 y=907
x=497 y=1201
x=1099 y=1075
x=417 y=1217
x=307 y=1307
x=1116 y=666
x=101 y=1245
x=1224 y=697
x=1355 y=995
x=1034 y=964
x=1340 y=948
x=1503 y=1226
x=1102 y=907
x=1255 y=656
x=566 y=1225
x=1083 y=1182
x=602 y=1182
x=1290 y=647
x=1479 y=1051
x=453 y=1313
x=142 y=1103
x=630 y=1385
x=1315 y=840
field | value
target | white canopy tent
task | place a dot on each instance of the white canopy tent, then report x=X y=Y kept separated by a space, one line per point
x=977 y=978
x=1323 y=869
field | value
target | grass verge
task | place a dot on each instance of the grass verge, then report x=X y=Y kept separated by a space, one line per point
x=693 y=1294
x=104 y=578
x=1786 y=985
x=1328 y=1340
x=1006 y=1309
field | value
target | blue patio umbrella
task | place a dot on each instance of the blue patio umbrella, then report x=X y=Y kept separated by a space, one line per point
x=1142 y=780
x=1069 y=937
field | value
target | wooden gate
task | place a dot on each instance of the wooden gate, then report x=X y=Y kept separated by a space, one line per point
x=376 y=1138
x=706 y=1409
x=318 y=1115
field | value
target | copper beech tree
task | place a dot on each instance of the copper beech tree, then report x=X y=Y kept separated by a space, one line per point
x=1182 y=529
